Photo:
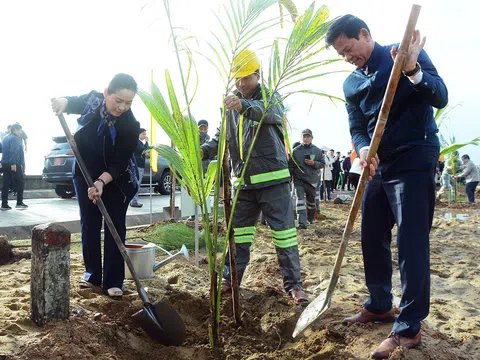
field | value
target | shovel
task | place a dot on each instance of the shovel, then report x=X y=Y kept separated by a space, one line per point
x=159 y=319
x=321 y=304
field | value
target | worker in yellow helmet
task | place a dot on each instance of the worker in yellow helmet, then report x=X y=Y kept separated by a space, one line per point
x=266 y=183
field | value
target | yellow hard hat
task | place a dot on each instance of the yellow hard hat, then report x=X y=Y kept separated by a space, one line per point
x=246 y=63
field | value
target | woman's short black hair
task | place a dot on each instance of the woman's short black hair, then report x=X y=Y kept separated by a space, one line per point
x=348 y=25
x=466 y=157
x=120 y=82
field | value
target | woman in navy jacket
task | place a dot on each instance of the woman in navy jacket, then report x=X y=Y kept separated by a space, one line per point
x=106 y=139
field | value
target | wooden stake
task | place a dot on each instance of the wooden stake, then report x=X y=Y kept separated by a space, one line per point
x=172 y=191
x=227 y=208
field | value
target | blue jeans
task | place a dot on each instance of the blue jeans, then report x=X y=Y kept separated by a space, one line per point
x=470 y=189
x=402 y=193
x=141 y=171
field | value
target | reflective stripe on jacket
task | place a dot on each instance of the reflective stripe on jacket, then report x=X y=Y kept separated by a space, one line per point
x=268 y=163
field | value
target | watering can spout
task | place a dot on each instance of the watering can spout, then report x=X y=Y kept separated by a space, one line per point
x=183 y=251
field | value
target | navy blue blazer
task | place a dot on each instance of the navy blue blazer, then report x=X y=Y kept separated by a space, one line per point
x=410 y=121
x=99 y=153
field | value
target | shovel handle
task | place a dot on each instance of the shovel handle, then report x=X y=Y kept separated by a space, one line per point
x=101 y=206
x=375 y=142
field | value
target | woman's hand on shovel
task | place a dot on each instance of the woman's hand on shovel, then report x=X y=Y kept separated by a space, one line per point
x=95 y=191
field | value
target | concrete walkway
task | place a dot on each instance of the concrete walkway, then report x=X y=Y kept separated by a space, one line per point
x=17 y=224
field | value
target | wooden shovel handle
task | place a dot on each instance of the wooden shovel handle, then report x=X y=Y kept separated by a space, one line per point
x=375 y=142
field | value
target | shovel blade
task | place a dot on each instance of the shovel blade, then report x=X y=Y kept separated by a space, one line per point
x=162 y=323
x=312 y=312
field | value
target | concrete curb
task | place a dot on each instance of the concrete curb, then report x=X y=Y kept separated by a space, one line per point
x=25 y=232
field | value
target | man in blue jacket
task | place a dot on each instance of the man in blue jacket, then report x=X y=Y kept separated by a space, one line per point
x=13 y=163
x=403 y=190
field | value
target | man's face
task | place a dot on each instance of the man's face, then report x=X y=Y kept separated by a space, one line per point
x=247 y=84
x=307 y=139
x=119 y=102
x=464 y=160
x=18 y=132
x=202 y=128
x=330 y=153
x=142 y=135
x=354 y=51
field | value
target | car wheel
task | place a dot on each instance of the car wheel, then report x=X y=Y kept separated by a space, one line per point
x=164 y=183
x=65 y=192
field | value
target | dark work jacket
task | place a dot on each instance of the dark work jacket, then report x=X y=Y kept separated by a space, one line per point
x=347 y=164
x=308 y=174
x=336 y=166
x=268 y=163
x=139 y=157
x=410 y=121
x=98 y=152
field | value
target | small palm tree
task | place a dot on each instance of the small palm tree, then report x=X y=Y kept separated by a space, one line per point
x=287 y=71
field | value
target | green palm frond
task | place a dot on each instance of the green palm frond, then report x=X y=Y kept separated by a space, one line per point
x=456 y=146
x=291 y=8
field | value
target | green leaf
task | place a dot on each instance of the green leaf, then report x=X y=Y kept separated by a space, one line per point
x=210 y=177
x=454 y=147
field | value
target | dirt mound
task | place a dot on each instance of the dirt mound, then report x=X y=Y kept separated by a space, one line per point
x=101 y=328
x=6 y=253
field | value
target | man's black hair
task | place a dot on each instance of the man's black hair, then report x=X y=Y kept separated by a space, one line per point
x=120 y=82
x=466 y=157
x=141 y=131
x=15 y=127
x=347 y=25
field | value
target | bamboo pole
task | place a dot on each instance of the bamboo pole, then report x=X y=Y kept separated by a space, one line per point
x=227 y=208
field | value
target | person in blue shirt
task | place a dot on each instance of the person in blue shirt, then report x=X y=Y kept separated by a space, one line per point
x=142 y=144
x=402 y=190
x=13 y=164
x=106 y=140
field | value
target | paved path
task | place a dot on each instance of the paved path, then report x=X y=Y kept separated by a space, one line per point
x=17 y=224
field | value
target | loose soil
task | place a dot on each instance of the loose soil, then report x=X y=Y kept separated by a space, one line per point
x=101 y=328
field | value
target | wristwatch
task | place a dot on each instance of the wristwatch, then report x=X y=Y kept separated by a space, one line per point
x=414 y=71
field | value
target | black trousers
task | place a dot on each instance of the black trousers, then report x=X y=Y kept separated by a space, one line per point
x=402 y=193
x=91 y=225
x=335 y=176
x=354 y=178
x=305 y=202
x=10 y=176
x=346 y=179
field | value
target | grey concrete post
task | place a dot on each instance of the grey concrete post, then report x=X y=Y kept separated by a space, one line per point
x=50 y=274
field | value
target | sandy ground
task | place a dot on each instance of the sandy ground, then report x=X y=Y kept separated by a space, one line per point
x=101 y=328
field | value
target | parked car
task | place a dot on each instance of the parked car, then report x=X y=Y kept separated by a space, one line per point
x=59 y=164
x=58 y=167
